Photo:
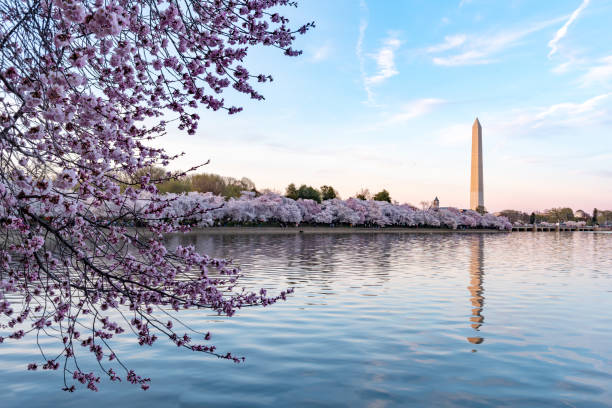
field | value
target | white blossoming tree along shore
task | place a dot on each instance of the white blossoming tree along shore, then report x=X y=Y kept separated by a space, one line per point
x=207 y=210
x=86 y=86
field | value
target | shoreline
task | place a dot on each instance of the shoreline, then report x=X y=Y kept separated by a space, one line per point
x=336 y=230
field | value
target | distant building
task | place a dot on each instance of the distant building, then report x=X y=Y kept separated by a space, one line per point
x=436 y=204
x=581 y=214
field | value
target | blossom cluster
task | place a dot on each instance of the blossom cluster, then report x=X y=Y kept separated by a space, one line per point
x=86 y=87
x=207 y=209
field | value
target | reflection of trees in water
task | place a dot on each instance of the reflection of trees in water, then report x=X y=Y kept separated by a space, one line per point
x=315 y=260
x=476 y=289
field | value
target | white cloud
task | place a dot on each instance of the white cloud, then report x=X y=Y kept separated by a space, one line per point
x=458 y=134
x=563 y=67
x=566 y=117
x=562 y=32
x=415 y=109
x=385 y=62
x=450 y=42
x=472 y=57
x=384 y=57
x=570 y=111
x=534 y=122
x=321 y=53
x=599 y=74
x=363 y=25
x=482 y=48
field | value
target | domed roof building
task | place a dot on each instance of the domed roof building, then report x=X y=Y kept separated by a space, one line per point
x=581 y=214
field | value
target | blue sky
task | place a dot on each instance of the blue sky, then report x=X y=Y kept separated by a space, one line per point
x=386 y=93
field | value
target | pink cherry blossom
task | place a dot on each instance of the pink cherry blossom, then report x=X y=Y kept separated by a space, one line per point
x=87 y=86
x=207 y=210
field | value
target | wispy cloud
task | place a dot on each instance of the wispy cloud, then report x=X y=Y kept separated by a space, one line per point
x=401 y=113
x=363 y=25
x=570 y=112
x=534 y=122
x=385 y=62
x=562 y=32
x=482 y=48
x=604 y=173
x=598 y=74
x=458 y=134
x=384 y=57
x=561 y=118
x=450 y=42
x=472 y=57
x=564 y=66
x=415 y=109
x=321 y=53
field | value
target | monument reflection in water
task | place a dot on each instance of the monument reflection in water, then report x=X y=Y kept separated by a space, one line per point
x=476 y=289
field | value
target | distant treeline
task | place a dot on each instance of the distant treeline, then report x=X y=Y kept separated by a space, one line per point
x=561 y=214
x=229 y=187
x=329 y=193
x=202 y=182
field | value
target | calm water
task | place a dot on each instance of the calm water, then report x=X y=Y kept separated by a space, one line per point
x=382 y=320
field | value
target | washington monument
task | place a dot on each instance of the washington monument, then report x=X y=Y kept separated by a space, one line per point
x=476 y=189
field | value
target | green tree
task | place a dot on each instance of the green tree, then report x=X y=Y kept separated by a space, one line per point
x=604 y=216
x=234 y=187
x=566 y=214
x=291 y=192
x=382 y=196
x=328 y=193
x=514 y=216
x=233 y=190
x=364 y=194
x=532 y=218
x=219 y=185
x=176 y=185
x=156 y=174
x=559 y=214
x=205 y=183
x=308 y=192
x=247 y=184
x=594 y=216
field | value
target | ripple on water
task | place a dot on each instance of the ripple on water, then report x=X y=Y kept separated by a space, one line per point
x=382 y=320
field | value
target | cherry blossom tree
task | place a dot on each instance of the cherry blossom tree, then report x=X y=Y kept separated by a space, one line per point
x=309 y=209
x=359 y=207
x=86 y=88
x=276 y=209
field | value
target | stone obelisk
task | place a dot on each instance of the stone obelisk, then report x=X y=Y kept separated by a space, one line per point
x=476 y=189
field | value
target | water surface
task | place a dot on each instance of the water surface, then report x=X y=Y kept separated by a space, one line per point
x=381 y=320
